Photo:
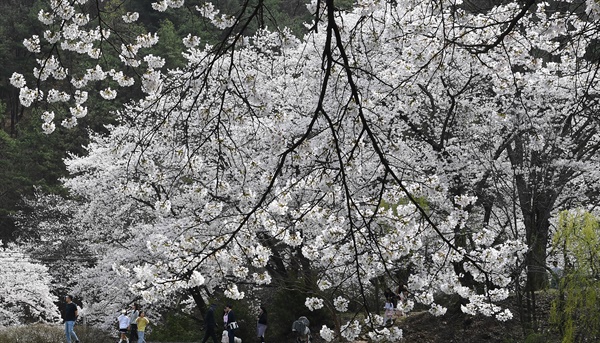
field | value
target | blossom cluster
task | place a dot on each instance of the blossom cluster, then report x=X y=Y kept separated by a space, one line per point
x=72 y=30
x=314 y=303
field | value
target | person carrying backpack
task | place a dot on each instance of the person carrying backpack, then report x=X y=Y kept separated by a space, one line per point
x=231 y=325
x=301 y=328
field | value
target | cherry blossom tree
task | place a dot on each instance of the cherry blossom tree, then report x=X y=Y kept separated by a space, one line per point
x=24 y=289
x=397 y=135
x=81 y=260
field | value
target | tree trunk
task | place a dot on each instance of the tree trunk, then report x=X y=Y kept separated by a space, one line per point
x=535 y=259
x=536 y=199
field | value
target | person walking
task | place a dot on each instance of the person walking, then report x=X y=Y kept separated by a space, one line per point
x=390 y=297
x=231 y=324
x=141 y=321
x=261 y=325
x=210 y=324
x=123 y=326
x=133 y=316
x=70 y=317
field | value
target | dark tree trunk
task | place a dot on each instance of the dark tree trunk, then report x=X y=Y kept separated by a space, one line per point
x=535 y=259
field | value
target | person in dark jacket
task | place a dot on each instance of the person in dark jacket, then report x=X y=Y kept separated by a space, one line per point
x=210 y=324
x=261 y=326
x=231 y=324
x=70 y=317
x=133 y=316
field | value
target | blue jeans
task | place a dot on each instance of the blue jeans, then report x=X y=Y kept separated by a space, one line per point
x=69 y=325
x=141 y=337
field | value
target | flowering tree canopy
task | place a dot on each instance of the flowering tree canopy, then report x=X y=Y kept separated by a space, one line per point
x=24 y=289
x=405 y=135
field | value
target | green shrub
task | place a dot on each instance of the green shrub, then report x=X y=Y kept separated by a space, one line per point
x=177 y=328
x=536 y=338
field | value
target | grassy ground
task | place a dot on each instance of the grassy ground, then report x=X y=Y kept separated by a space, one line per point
x=43 y=333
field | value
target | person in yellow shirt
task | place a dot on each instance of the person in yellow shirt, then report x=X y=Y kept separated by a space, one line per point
x=141 y=321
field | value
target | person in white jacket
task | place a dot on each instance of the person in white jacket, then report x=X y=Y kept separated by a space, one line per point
x=124 y=322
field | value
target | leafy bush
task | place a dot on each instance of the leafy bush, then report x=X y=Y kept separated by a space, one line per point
x=177 y=328
x=536 y=338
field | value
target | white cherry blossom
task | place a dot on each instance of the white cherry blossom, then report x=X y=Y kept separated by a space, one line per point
x=131 y=17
